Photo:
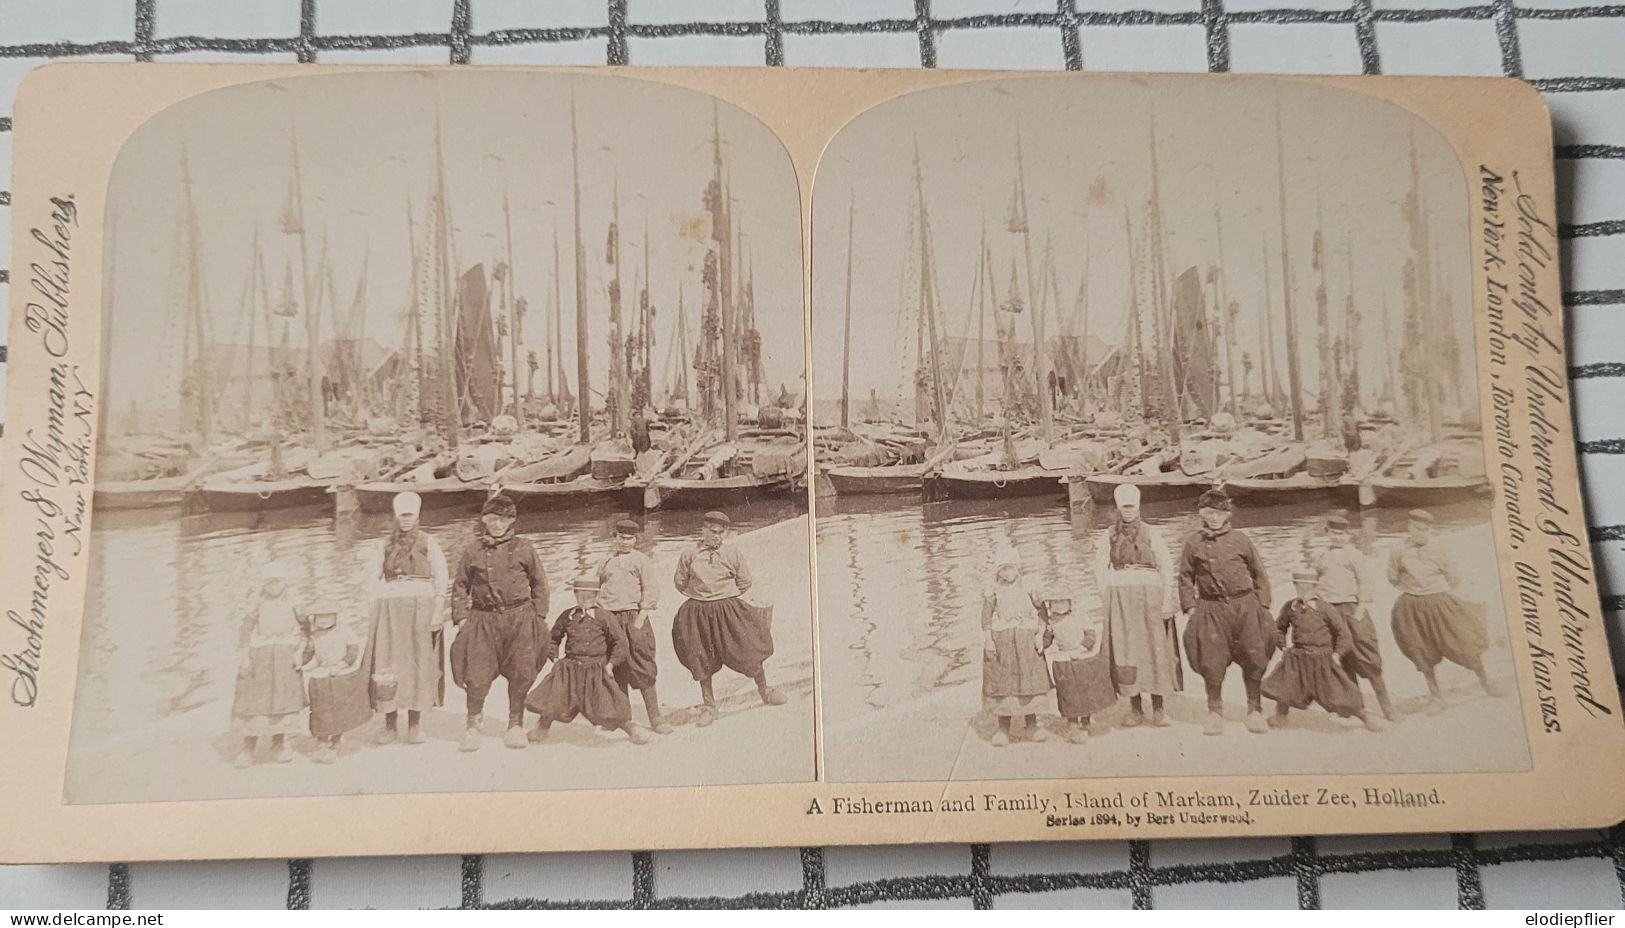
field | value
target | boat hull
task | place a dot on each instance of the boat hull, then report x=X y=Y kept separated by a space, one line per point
x=380 y=497
x=282 y=495
x=583 y=493
x=1025 y=483
x=161 y=493
x=1159 y=489
x=876 y=481
x=1403 y=494
x=675 y=493
x=1265 y=491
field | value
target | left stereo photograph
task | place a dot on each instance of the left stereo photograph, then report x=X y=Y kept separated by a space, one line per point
x=416 y=466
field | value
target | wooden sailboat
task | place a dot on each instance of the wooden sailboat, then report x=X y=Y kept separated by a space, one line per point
x=155 y=475
x=1018 y=469
x=896 y=476
x=741 y=467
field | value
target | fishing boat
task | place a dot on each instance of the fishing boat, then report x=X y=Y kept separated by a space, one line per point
x=1410 y=492
x=1168 y=486
x=875 y=481
x=1282 y=491
x=958 y=482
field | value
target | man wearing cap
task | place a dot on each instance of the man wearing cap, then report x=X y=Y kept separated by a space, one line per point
x=1225 y=596
x=714 y=627
x=499 y=602
x=1430 y=624
x=406 y=584
x=1135 y=576
x=1343 y=584
x=629 y=595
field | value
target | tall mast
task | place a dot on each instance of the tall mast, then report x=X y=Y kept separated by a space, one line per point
x=984 y=270
x=1135 y=322
x=583 y=390
x=1271 y=371
x=1162 y=310
x=1351 y=340
x=555 y=376
x=446 y=294
x=1294 y=382
x=1083 y=330
x=513 y=310
x=617 y=342
x=928 y=304
x=1329 y=403
x=195 y=307
x=313 y=361
x=1222 y=286
x=1040 y=345
x=730 y=347
x=646 y=320
x=414 y=329
x=683 y=359
x=846 y=350
x=250 y=291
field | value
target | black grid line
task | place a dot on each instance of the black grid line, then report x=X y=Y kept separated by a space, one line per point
x=299 y=883
x=473 y=881
x=924 y=26
x=1306 y=867
x=774 y=28
x=1071 y=40
x=1365 y=33
x=1216 y=25
x=1464 y=858
x=1469 y=881
x=813 y=891
x=643 y=879
x=118 y=886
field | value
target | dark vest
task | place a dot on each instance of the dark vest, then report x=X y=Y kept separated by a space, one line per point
x=1132 y=548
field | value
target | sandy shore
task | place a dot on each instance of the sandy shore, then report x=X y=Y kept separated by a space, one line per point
x=944 y=734
x=189 y=756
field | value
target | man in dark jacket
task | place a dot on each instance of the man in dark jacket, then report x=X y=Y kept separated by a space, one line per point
x=1225 y=596
x=499 y=603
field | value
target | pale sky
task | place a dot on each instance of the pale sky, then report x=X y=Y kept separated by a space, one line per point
x=366 y=150
x=1087 y=154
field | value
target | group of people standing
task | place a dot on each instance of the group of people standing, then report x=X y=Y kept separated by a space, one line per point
x=1326 y=634
x=602 y=647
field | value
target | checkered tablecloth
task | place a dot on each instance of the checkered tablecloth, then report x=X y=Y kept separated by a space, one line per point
x=1569 y=50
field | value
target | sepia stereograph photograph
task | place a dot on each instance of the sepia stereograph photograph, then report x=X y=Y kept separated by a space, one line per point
x=453 y=438
x=1147 y=439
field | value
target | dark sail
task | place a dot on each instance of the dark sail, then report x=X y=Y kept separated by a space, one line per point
x=476 y=347
x=1195 y=380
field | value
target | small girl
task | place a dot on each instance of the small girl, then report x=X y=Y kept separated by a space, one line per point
x=337 y=685
x=1014 y=677
x=1311 y=669
x=1082 y=670
x=270 y=690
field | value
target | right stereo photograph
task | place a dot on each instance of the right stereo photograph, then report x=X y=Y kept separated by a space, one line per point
x=1148 y=439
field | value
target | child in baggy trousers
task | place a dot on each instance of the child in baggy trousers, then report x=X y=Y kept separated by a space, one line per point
x=270 y=692
x=1014 y=675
